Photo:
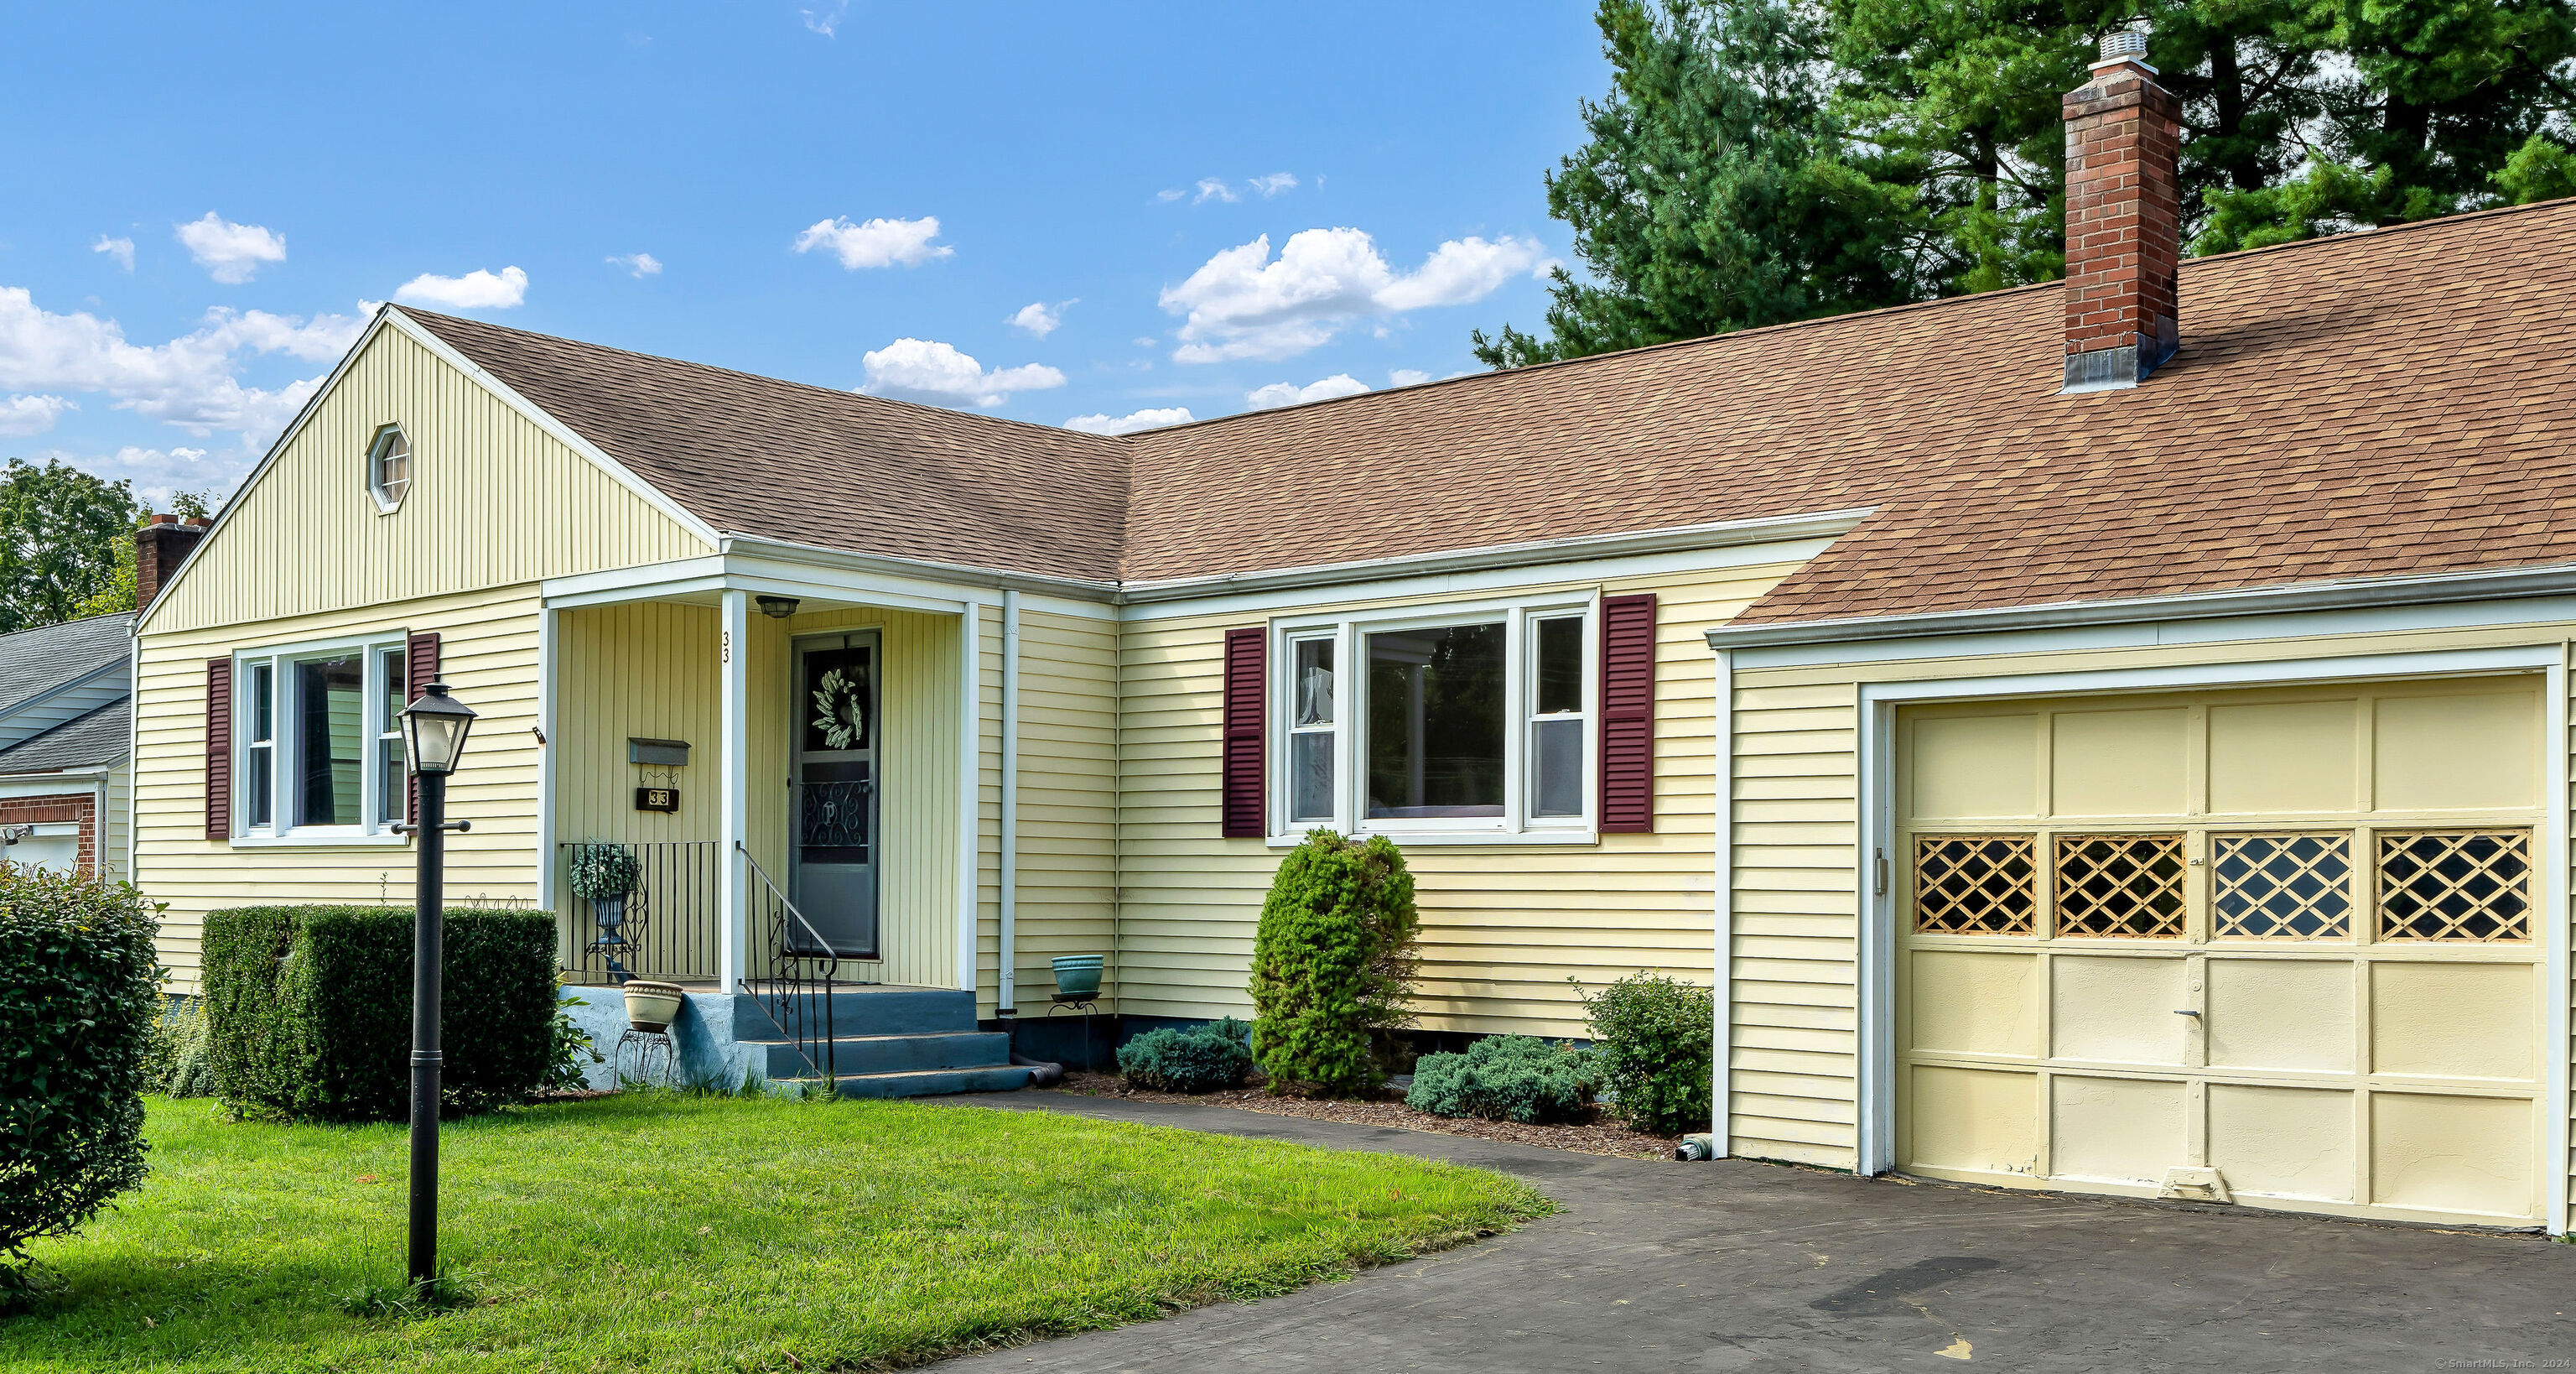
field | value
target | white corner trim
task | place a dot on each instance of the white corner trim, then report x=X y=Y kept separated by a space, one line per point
x=557 y=429
x=970 y=790
x=1876 y=711
x=1722 y=967
x=1006 y=972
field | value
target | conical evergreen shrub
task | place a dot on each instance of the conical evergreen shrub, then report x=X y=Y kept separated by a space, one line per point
x=1333 y=966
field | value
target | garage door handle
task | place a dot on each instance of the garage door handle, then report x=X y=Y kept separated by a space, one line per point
x=2186 y=1013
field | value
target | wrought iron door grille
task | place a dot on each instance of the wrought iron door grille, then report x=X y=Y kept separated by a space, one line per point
x=1976 y=884
x=2282 y=886
x=835 y=815
x=2121 y=886
x=2455 y=885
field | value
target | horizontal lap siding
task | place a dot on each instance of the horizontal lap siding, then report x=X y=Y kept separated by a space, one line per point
x=488 y=652
x=1797 y=872
x=1504 y=927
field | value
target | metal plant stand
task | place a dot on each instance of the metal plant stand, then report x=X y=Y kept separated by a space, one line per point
x=647 y=1044
x=1087 y=1008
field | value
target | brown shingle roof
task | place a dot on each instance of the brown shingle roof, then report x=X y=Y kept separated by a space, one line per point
x=2382 y=403
x=783 y=460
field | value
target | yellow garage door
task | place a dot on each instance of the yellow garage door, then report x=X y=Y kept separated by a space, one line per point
x=2280 y=946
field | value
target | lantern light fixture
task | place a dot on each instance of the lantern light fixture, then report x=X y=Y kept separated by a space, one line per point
x=434 y=730
x=777 y=607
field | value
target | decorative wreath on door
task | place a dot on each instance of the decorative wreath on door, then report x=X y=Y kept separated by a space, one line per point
x=840 y=710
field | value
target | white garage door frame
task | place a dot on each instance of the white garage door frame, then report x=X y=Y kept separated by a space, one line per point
x=1877 y=948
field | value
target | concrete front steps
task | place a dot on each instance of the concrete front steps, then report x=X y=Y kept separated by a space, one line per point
x=892 y=1042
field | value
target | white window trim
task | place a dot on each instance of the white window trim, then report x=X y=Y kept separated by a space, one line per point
x=279 y=833
x=386 y=505
x=1350 y=719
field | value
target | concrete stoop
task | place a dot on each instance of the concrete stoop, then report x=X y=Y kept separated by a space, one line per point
x=885 y=1042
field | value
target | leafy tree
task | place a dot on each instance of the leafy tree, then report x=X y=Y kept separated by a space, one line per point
x=120 y=593
x=60 y=530
x=1713 y=194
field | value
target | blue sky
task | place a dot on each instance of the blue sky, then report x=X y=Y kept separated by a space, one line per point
x=1210 y=206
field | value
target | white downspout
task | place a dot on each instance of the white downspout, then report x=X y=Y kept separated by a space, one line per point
x=1723 y=972
x=1010 y=950
x=970 y=788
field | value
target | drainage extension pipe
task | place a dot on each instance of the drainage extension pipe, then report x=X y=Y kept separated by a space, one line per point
x=1696 y=1147
x=1049 y=1073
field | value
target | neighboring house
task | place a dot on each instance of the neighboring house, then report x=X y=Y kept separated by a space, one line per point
x=2141 y=729
x=66 y=722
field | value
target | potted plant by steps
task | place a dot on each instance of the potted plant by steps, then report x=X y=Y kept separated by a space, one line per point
x=1077 y=977
x=604 y=875
x=652 y=1006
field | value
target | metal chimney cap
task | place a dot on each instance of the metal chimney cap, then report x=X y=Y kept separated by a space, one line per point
x=2121 y=44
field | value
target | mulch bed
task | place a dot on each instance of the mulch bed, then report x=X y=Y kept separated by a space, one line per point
x=1596 y=1138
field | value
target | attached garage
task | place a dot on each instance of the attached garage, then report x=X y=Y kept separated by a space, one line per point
x=2283 y=946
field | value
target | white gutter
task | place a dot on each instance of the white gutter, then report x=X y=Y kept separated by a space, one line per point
x=2412 y=589
x=1009 y=955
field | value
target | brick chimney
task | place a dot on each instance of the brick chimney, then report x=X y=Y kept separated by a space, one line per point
x=159 y=548
x=2123 y=219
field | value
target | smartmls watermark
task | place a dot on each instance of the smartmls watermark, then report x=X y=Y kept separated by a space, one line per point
x=2510 y=1362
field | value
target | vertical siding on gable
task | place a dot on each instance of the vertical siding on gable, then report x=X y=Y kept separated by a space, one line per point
x=1068 y=798
x=494 y=501
x=1503 y=926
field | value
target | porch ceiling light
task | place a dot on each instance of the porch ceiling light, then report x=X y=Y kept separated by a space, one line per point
x=434 y=730
x=777 y=607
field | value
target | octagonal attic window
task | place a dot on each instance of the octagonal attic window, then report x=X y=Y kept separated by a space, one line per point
x=389 y=467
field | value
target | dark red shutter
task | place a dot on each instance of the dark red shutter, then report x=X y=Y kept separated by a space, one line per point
x=1245 y=794
x=420 y=668
x=1628 y=714
x=219 y=749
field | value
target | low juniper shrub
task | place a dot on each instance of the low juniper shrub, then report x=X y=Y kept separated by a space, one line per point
x=1198 y=1059
x=79 y=993
x=1653 y=1036
x=1506 y=1078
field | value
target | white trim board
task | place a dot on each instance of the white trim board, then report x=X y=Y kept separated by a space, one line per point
x=1877 y=703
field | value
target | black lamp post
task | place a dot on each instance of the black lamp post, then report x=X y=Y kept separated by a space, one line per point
x=433 y=737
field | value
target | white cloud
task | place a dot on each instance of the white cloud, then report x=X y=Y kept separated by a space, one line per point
x=826 y=21
x=639 y=264
x=877 y=243
x=230 y=252
x=21 y=416
x=1132 y=421
x=157 y=472
x=1040 y=318
x=1279 y=394
x=1405 y=376
x=1242 y=304
x=189 y=382
x=1274 y=183
x=1169 y=195
x=476 y=290
x=120 y=249
x=1212 y=189
x=922 y=369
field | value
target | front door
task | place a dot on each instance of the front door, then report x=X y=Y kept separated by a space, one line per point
x=832 y=871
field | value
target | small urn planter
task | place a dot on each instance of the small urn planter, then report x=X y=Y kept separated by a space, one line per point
x=1077 y=977
x=652 y=1006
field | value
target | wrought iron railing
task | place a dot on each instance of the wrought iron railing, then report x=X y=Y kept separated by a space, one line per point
x=792 y=968
x=668 y=927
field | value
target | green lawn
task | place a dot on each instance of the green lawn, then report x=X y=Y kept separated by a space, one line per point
x=663 y=1233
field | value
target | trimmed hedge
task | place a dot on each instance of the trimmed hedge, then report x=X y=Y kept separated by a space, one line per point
x=1506 y=1078
x=309 y=1009
x=1333 y=965
x=1198 y=1059
x=1656 y=1042
x=79 y=993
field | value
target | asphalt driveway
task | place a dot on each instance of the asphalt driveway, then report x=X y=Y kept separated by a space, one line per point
x=1656 y=1265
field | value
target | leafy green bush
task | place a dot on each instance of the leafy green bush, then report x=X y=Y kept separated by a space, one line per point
x=309 y=1009
x=1197 y=1059
x=79 y=989
x=599 y=871
x=569 y=1052
x=1506 y=1078
x=176 y=1064
x=1654 y=1038
x=1333 y=966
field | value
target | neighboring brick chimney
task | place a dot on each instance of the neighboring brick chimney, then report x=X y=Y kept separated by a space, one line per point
x=158 y=550
x=2123 y=219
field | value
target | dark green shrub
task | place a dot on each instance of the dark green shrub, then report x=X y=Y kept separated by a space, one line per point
x=1654 y=1039
x=1333 y=966
x=309 y=1009
x=569 y=1053
x=79 y=992
x=176 y=1065
x=1506 y=1078
x=1197 y=1059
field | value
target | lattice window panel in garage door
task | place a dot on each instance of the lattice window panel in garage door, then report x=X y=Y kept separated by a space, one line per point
x=1976 y=884
x=2127 y=886
x=2455 y=885
x=2282 y=887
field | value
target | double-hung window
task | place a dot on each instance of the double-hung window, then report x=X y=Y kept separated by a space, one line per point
x=320 y=741
x=1467 y=724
